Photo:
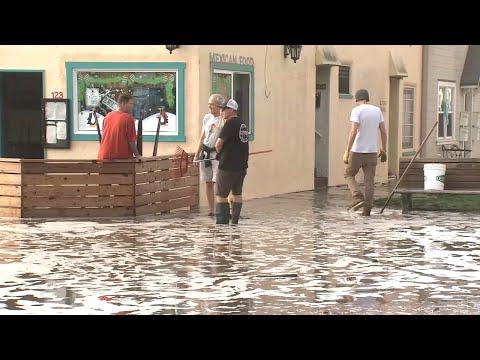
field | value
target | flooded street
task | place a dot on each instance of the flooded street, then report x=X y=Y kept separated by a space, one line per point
x=300 y=253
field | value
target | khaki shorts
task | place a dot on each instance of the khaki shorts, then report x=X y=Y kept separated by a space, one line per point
x=209 y=173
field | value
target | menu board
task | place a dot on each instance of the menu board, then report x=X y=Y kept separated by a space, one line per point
x=55 y=123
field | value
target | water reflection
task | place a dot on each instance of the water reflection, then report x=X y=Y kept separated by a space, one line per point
x=299 y=253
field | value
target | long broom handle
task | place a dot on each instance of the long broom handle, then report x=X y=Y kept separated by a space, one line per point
x=140 y=137
x=410 y=163
x=157 y=134
x=98 y=126
x=252 y=153
x=260 y=152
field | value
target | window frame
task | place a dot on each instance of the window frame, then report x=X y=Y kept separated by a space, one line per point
x=349 y=80
x=412 y=117
x=453 y=86
x=226 y=68
x=177 y=67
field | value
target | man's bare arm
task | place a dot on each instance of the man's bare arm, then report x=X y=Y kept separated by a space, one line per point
x=383 y=135
x=219 y=145
x=352 y=135
x=133 y=148
x=199 y=146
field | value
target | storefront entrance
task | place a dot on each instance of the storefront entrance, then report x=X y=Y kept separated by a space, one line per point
x=20 y=115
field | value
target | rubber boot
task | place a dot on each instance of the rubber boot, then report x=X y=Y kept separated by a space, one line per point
x=236 y=209
x=366 y=211
x=230 y=201
x=222 y=213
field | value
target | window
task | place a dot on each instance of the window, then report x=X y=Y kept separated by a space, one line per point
x=344 y=80
x=94 y=88
x=236 y=82
x=408 y=116
x=446 y=110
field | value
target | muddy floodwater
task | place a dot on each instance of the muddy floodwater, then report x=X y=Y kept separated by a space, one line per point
x=299 y=253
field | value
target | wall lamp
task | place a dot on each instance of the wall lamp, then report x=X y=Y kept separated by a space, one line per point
x=172 y=47
x=293 y=51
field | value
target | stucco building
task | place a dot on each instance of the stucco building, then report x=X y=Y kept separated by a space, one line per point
x=298 y=110
x=276 y=97
x=451 y=82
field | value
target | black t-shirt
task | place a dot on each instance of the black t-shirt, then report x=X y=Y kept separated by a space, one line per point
x=234 y=154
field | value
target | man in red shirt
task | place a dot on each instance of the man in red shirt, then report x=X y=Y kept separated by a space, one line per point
x=119 y=136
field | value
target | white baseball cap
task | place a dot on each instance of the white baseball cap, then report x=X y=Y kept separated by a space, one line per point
x=230 y=103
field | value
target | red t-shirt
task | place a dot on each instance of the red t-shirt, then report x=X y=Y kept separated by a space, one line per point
x=118 y=130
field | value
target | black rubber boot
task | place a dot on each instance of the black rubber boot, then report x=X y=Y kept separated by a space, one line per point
x=236 y=209
x=222 y=213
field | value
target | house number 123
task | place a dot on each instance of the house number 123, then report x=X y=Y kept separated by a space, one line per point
x=57 y=95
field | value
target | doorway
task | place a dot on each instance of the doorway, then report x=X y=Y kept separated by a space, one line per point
x=321 y=126
x=393 y=126
x=20 y=115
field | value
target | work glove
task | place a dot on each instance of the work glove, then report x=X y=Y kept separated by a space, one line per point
x=383 y=155
x=345 y=156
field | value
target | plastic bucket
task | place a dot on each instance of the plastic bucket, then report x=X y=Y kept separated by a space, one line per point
x=434 y=176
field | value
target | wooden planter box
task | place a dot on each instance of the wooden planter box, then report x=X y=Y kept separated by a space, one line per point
x=31 y=188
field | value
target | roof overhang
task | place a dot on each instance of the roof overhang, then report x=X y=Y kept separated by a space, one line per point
x=397 y=68
x=471 y=68
x=326 y=55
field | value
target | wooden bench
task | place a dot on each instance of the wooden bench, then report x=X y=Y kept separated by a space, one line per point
x=462 y=177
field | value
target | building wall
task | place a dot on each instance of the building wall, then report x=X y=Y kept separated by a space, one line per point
x=284 y=117
x=284 y=104
x=442 y=63
x=475 y=140
x=284 y=99
x=52 y=58
x=370 y=69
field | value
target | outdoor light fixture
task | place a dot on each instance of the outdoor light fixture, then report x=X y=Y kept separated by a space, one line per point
x=172 y=47
x=293 y=51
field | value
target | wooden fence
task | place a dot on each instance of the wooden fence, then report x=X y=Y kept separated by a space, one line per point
x=10 y=187
x=461 y=173
x=32 y=188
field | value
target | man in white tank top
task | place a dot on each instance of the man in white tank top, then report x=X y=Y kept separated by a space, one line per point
x=211 y=126
x=361 y=152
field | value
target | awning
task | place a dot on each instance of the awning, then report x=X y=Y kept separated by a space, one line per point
x=471 y=68
x=397 y=68
x=326 y=55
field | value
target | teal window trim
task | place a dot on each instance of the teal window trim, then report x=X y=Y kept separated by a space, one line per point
x=345 y=96
x=177 y=66
x=243 y=68
x=21 y=70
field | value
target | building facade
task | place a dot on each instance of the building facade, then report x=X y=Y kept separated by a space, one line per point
x=53 y=97
x=452 y=101
x=276 y=97
x=393 y=76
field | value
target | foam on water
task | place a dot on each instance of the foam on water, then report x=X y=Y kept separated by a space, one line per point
x=293 y=254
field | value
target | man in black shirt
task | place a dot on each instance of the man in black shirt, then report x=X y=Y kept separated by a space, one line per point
x=232 y=148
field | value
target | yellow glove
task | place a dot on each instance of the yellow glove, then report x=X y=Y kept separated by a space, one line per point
x=345 y=156
x=383 y=155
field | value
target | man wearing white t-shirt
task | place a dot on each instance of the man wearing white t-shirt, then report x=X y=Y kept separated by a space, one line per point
x=361 y=152
x=211 y=126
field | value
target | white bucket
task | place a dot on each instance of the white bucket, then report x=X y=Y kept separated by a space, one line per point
x=434 y=176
